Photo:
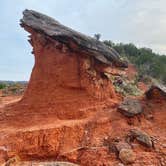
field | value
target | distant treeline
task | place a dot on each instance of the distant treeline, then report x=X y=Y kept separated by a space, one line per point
x=13 y=82
x=147 y=62
x=4 y=84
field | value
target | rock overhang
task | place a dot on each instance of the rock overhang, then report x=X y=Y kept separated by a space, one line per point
x=88 y=45
x=156 y=91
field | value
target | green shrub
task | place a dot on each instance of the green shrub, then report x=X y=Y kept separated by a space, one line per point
x=146 y=61
x=2 y=86
x=123 y=86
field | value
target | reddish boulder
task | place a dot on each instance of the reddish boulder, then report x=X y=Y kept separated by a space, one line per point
x=127 y=156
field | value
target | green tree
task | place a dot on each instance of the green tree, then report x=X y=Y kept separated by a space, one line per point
x=2 y=86
x=146 y=61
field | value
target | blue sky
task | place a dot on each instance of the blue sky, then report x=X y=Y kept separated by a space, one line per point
x=141 y=22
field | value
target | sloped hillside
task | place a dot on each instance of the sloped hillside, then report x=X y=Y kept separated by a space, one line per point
x=148 y=63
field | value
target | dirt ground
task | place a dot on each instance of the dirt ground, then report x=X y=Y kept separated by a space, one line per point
x=81 y=141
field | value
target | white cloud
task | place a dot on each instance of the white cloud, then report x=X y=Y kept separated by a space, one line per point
x=147 y=26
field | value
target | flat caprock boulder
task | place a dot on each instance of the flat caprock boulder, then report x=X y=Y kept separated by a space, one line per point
x=52 y=28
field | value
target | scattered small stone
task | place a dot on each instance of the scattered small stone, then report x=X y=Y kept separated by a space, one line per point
x=112 y=143
x=162 y=161
x=133 y=145
x=141 y=137
x=162 y=164
x=117 y=139
x=122 y=145
x=157 y=150
x=150 y=117
x=12 y=161
x=164 y=145
x=155 y=141
x=130 y=107
x=127 y=156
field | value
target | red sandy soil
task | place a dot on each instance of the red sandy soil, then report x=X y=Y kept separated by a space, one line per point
x=82 y=140
x=8 y=100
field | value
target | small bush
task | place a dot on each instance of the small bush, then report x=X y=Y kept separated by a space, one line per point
x=125 y=87
x=2 y=86
x=146 y=61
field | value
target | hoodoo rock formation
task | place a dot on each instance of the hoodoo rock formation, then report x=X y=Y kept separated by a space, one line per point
x=68 y=67
x=67 y=91
x=69 y=112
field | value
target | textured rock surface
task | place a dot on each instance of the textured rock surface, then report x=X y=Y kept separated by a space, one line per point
x=122 y=145
x=69 y=37
x=65 y=79
x=141 y=137
x=156 y=92
x=127 y=156
x=130 y=107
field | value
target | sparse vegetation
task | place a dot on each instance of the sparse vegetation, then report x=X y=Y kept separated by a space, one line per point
x=12 y=88
x=97 y=36
x=124 y=86
x=2 y=86
x=127 y=88
x=148 y=63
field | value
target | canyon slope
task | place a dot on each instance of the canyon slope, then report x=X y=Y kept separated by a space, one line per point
x=71 y=112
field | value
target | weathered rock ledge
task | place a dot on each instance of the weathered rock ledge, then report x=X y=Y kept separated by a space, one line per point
x=156 y=91
x=52 y=28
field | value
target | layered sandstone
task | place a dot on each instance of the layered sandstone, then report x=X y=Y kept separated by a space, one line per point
x=67 y=76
